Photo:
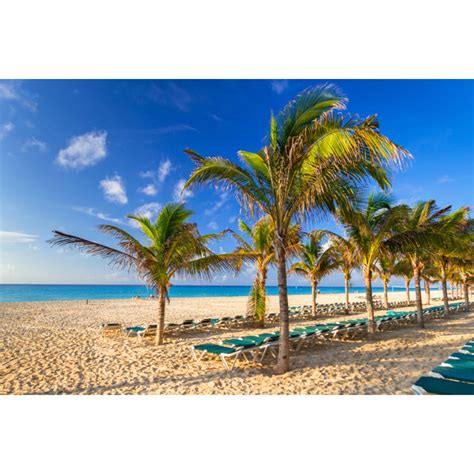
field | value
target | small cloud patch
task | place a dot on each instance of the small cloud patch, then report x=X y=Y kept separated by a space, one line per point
x=83 y=151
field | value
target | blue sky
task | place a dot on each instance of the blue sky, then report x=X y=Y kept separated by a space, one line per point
x=74 y=154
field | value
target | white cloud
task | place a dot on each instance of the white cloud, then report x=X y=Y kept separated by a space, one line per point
x=164 y=170
x=90 y=211
x=9 y=237
x=160 y=174
x=6 y=129
x=149 y=190
x=220 y=202
x=249 y=269
x=114 y=189
x=180 y=194
x=83 y=151
x=6 y=268
x=213 y=225
x=445 y=179
x=14 y=92
x=34 y=143
x=279 y=86
x=149 y=210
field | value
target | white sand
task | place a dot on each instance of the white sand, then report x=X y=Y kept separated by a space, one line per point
x=56 y=347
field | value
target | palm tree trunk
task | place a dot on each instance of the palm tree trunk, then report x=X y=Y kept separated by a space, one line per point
x=263 y=282
x=466 y=293
x=427 y=291
x=283 y=363
x=444 y=286
x=452 y=289
x=385 y=293
x=314 y=289
x=370 y=303
x=407 y=284
x=346 y=288
x=419 y=304
x=161 y=317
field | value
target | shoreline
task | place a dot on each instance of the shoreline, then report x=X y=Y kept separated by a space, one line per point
x=353 y=294
x=323 y=298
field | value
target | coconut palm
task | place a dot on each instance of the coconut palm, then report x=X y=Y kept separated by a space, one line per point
x=429 y=276
x=422 y=229
x=173 y=247
x=404 y=269
x=385 y=269
x=465 y=266
x=345 y=254
x=371 y=228
x=313 y=159
x=316 y=263
x=454 y=241
x=259 y=247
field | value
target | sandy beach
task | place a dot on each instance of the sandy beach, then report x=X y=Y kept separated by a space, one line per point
x=57 y=348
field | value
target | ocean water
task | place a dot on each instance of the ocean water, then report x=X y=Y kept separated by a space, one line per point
x=15 y=293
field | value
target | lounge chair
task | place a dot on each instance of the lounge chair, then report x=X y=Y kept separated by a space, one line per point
x=222 y=352
x=133 y=330
x=437 y=386
x=458 y=364
x=451 y=373
x=110 y=327
x=462 y=356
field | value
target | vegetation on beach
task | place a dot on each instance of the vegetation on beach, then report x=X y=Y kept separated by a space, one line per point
x=315 y=263
x=173 y=247
x=314 y=163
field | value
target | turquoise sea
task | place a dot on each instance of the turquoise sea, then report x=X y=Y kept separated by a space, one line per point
x=15 y=293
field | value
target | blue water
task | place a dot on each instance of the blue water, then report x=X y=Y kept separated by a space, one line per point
x=12 y=293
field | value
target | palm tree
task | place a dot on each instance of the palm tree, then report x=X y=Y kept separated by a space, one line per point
x=316 y=262
x=173 y=247
x=370 y=228
x=345 y=254
x=259 y=247
x=421 y=230
x=404 y=269
x=429 y=276
x=313 y=159
x=385 y=270
x=454 y=240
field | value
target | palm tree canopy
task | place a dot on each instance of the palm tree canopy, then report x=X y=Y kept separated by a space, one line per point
x=313 y=158
x=173 y=246
x=371 y=227
x=317 y=260
x=259 y=243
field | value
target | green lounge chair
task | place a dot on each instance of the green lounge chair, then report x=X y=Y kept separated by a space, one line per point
x=222 y=352
x=150 y=330
x=462 y=356
x=133 y=330
x=458 y=364
x=461 y=375
x=436 y=386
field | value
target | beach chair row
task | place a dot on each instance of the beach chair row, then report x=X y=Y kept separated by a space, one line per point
x=187 y=325
x=331 y=309
x=454 y=376
x=255 y=347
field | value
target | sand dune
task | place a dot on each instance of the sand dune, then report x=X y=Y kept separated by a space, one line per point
x=56 y=347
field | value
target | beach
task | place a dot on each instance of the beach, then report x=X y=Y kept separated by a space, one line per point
x=58 y=348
